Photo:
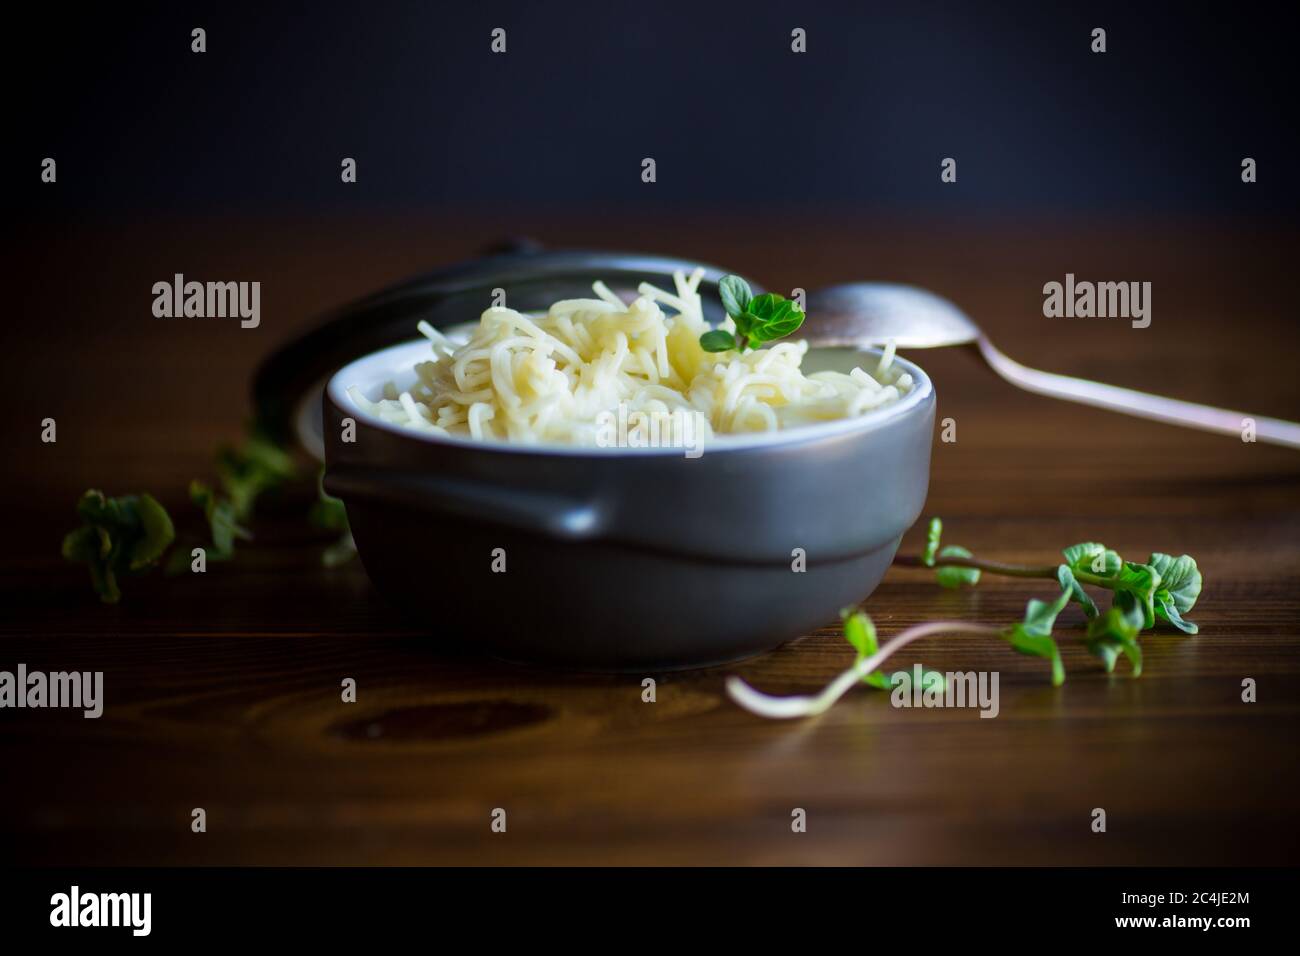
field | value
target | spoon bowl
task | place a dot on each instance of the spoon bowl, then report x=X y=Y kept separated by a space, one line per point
x=866 y=314
x=873 y=313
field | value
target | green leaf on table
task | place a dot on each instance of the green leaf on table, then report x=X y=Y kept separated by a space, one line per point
x=246 y=472
x=861 y=633
x=1092 y=557
x=220 y=515
x=86 y=543
x=90 y=545
x=1167 y=611
x=122 y=535
x=156 y=533
x=1033 y=635
x=954 y=576
x=1180 y=586
x=1141 y=581
x=932 y=535
x=1116 y=632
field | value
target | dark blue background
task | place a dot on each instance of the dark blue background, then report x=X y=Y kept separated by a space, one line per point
x=710 y=90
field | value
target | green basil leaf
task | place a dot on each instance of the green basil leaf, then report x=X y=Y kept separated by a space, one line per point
x=735 y=294
x=762 y=307
x=717 y=340
x=776 y=318
x=770 y=309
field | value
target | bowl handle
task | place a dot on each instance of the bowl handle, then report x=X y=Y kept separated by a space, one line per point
x=536 y=512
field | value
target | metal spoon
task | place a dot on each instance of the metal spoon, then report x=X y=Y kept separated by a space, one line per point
x=872 y=313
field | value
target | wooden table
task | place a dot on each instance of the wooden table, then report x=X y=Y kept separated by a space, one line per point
x=223 y=689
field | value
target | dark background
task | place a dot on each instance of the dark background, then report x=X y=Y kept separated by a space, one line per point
x=1037 y=123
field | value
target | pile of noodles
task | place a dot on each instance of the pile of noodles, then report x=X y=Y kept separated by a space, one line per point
x=560 y=377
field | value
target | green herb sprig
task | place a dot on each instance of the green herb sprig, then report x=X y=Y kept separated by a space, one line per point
x=1164 y=588
x=118 y=536
x=130 y=534
x=1146 y=595
x=758 y=319
x=244 y=474
x=257 y=466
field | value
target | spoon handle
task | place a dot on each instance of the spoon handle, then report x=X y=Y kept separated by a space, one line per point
x=1130 y=402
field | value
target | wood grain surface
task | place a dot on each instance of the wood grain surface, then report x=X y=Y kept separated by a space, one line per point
x=222 y=690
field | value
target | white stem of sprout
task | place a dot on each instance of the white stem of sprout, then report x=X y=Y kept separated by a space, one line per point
x=806 y=705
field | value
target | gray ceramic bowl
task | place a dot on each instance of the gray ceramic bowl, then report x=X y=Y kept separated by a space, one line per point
x=628 y=559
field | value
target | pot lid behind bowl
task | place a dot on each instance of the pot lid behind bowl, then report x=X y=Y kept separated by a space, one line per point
x=288 y=384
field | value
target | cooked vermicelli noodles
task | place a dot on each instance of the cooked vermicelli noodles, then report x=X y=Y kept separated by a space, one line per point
x=565 y=376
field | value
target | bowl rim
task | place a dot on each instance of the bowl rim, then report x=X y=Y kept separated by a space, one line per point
x=360 y=371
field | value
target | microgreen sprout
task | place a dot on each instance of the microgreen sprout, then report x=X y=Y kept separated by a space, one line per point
x=1144 y=595
x=757 y=318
